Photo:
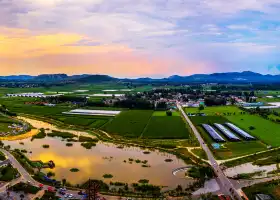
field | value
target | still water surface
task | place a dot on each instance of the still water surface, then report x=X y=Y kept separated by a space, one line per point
x=105 y=158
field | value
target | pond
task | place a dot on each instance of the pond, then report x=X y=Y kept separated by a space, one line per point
x=249 y=168
x=104 y=158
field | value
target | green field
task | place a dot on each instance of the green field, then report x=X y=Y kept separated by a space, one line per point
x=267 y=100
x=5 y=122
x=163 y=113
x=148 y=124
x=129 y=123
x=167 y=127
x=262 y=93
x=17 y=105
x=215 y=110
x=269 y=188
x=92 y=88
x=273 y=117
x=231 y=149
x=267 y=131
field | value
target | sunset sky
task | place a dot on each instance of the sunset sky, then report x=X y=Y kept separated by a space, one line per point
x=139 y=38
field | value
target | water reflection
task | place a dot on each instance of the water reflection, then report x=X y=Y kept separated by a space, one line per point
x=105 y=158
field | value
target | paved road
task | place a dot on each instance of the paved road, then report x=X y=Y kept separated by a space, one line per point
x=223 y=181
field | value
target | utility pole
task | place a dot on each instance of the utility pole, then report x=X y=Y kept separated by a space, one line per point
x=92 y=190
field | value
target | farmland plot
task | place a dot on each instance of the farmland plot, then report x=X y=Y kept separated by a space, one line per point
x=166 y=127
x=129 y=123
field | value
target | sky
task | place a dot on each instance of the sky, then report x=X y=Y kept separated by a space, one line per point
x=139 y=38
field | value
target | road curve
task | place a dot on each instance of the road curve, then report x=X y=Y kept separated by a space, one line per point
x=224 y=183
x=25 y=176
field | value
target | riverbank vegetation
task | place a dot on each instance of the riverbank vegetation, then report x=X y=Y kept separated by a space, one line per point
x=2 y=156
x=46 y=146
x=87 y=139
x=64 y=135
x=26 y=162
x=248 y=175
x=69 y=144
x=88 y=145
x=42 y=134
x=200 y=172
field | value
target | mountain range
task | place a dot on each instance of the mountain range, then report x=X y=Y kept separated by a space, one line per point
x=227 y=77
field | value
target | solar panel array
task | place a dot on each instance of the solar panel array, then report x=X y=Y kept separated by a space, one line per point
x=226 y=132
x=239 y=131
x=213 y=133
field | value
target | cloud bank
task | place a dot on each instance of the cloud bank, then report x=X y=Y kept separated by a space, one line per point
x=138 y=38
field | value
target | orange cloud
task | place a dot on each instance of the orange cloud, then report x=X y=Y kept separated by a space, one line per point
x=23 y=52
x=22 y=44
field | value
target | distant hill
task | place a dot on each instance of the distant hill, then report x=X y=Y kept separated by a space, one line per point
x=51 y=77
x=96 y=78
x=246 y=76
x=227 y=77
x=17 y=77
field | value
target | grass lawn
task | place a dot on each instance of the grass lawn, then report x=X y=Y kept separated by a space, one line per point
x=236 y=149
x=200 y=152
x=129 y=123
x=215 y=110
x=168 y=127
x=265 y=130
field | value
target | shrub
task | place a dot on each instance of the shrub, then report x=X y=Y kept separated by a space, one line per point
x=107 y=176
x=88 y=145
x=168 y=160
x=74 y=170
x=169 y=113
x=42 y=134
x=26 y=188
x=143 y=181
x=50 y=174
x=252 y=128
x=63 y=135
x=87 y=139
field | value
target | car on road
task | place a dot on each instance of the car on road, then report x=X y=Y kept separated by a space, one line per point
x=62 y=192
